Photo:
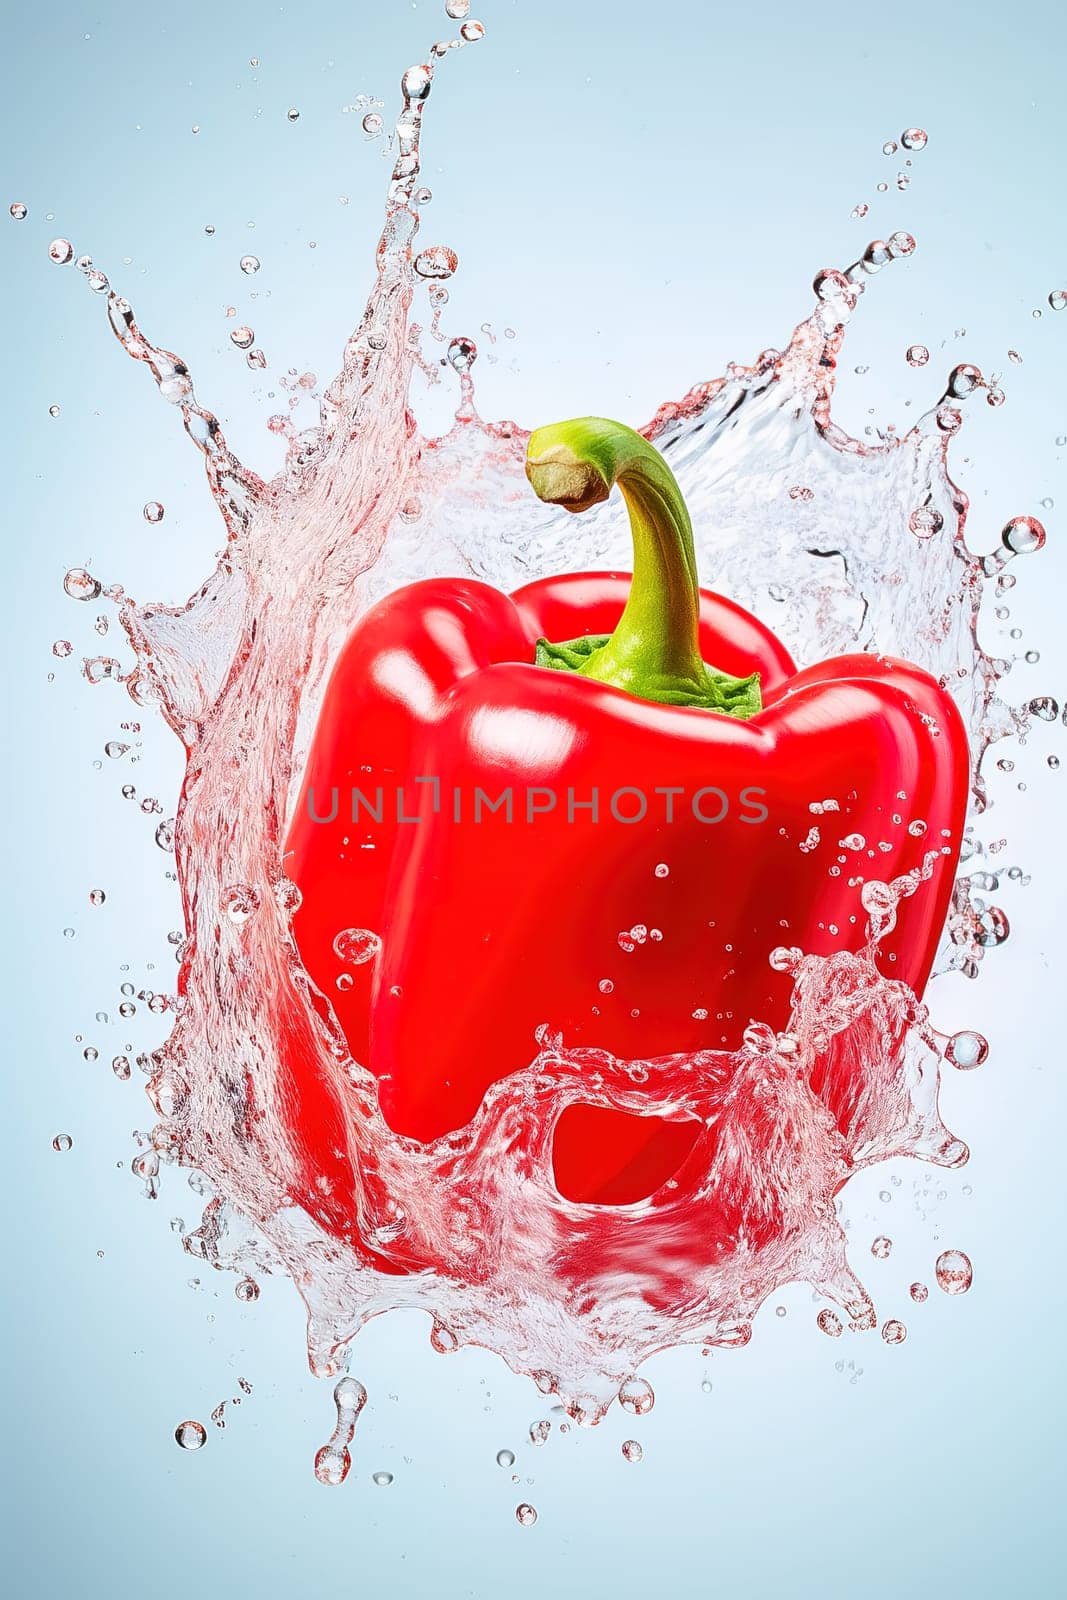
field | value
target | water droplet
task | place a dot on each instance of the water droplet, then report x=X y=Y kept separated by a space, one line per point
x=332 y=1466
x=881 y=1247
x=61 y=251
x=415 y=84
x=62 y=1143
x=462 y=354
x=954 y=1272
x=97 y=897
x=889 y=148
x=914 y=138
x=18 y=210
x=1058 y=299
x=919 y=1292
x=525 y=1515
x=242 y=337
x=62 y=648
x=829 y=1323
x=917 y=355
x=539 y=1432
x=81 y=585
x=190 y=1435
x=372 y=124
x=505 y=1458
x=153 y=511
x=631 y=1450
x=436 y=261
x=382 y=1479
x=249 y=264
x=247 y=1290
x=636 y=1396
x=472 y=32
x=1023 y=535
x=925 y=522
x=457 y=9
x=894 y=1332
x=357 y=945
x=120 y=1066
x=292 y=115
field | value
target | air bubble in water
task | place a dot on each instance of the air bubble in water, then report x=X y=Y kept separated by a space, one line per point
x=153 y=511
x=239 y=902
x=81 y=585
x=505 y=1458
x=1022 y=535
x=62 y=1143
x=925 y=522
x=249 y=264
x=525 y=1515
x=954 y=1272
x=437 y=261
x=914 y=138
x=53 y=411
x=61 y=251
x=357 y=945
x=190 y=1435
x=372 y=124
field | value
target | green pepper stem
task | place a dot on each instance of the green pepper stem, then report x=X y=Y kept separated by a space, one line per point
x=654 y=652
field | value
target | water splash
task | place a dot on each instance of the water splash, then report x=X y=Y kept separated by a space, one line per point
x=867 y=551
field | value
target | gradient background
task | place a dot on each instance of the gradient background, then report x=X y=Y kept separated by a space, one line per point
x=643 y=193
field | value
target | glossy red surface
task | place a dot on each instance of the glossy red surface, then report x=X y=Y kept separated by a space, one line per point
x=493 y=928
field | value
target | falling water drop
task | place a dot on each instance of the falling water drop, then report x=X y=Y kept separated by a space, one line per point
x=894 y=1332
x=62 y=1143
x=954 y=1272
x=830 y=1324
x=190 y=1435
x=632 y=1451
x=437 y=261
x=153 y=511
x=525 y=1515
x=81 y=585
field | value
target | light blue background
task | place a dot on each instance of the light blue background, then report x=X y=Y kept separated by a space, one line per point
x=643 y=193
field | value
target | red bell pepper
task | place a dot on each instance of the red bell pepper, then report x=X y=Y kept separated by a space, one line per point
x=736 y=810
